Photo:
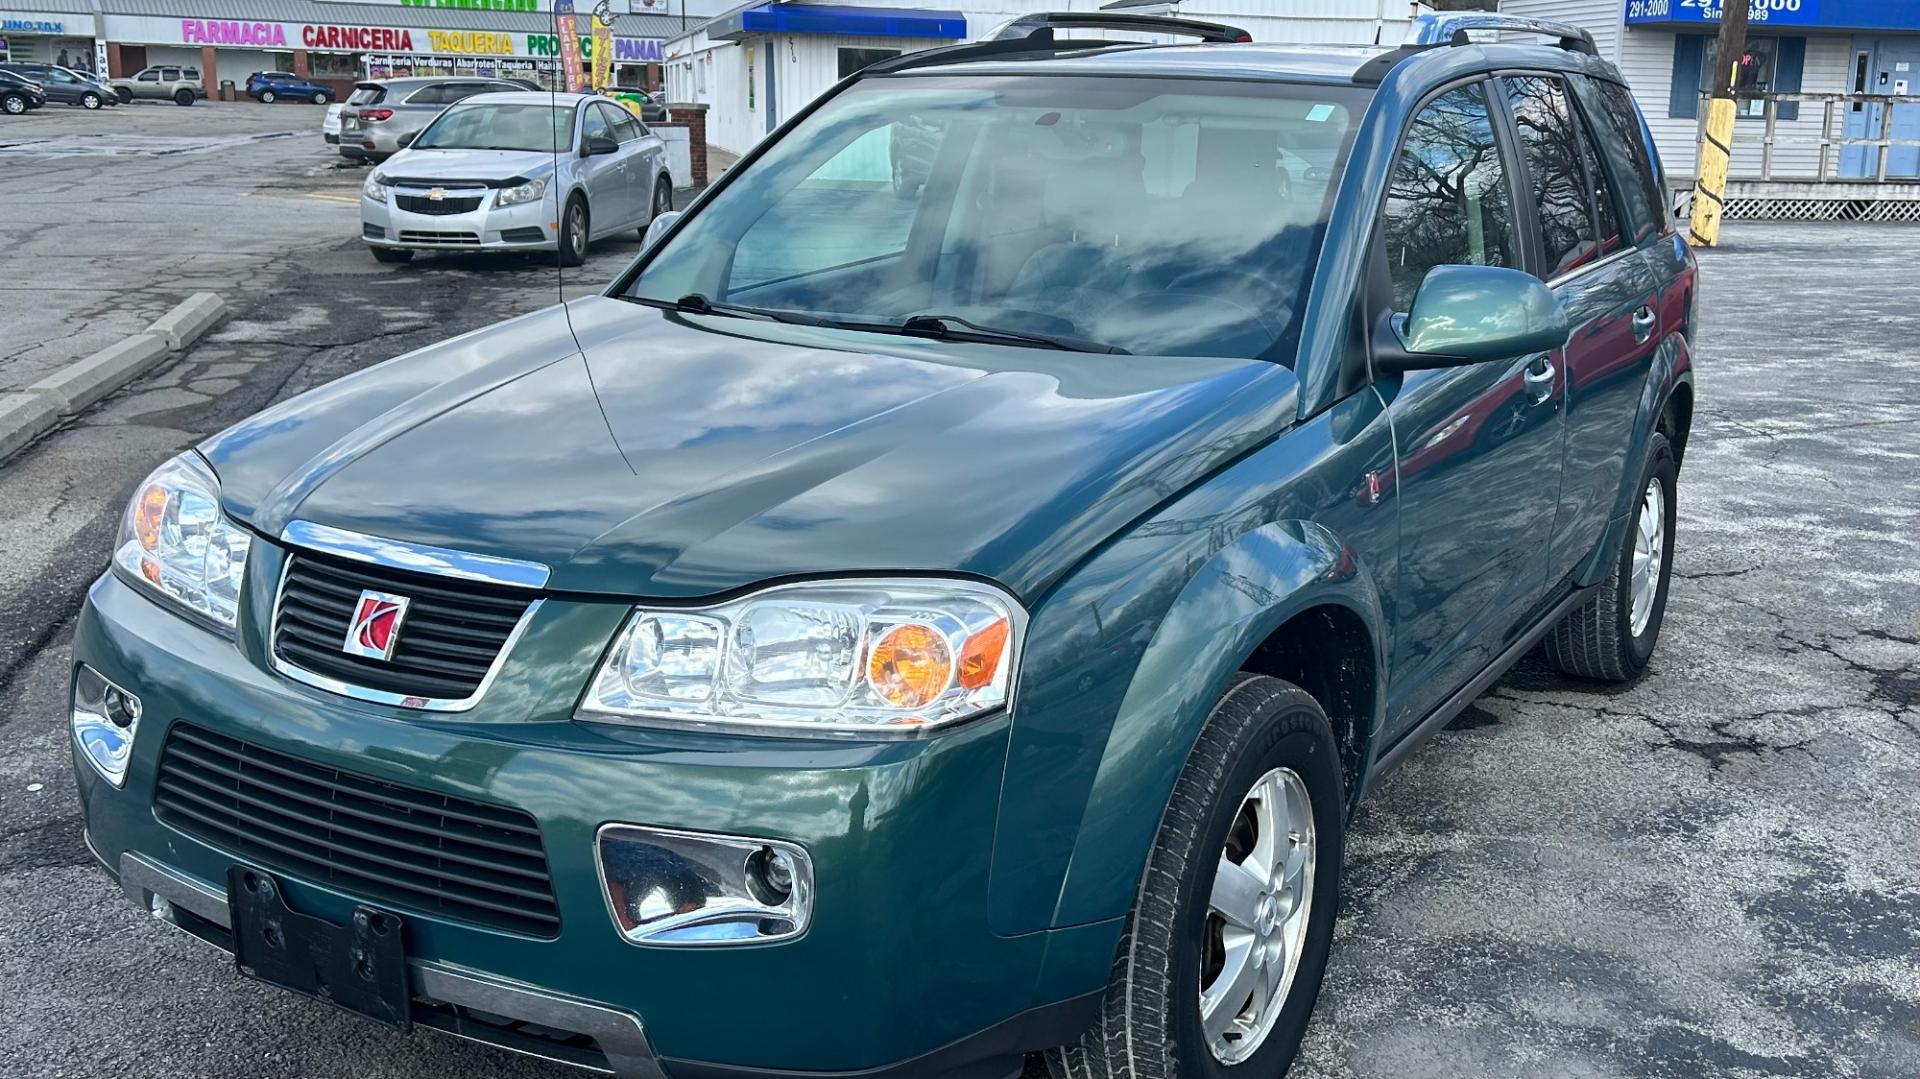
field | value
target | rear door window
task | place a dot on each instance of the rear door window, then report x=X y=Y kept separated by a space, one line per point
x=428 y=95
x=1624 y=145
x=1448 y=202
x=1550 y=147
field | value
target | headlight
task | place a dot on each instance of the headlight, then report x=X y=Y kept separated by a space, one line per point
x=872 y=657
x=374 y=189
x=175 y=542
x=527 y=192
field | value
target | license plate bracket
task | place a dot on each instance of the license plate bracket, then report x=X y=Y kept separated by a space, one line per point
x=360 y=967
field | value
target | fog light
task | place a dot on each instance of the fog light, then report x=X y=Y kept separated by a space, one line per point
x=105 y=718
x=687 y=888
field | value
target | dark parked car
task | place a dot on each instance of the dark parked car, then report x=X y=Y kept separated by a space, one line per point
x=18 y=94
x=271 y=86
x=65 y=85
x=885 y=634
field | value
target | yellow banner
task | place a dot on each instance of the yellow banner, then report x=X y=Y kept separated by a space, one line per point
x=602 y=47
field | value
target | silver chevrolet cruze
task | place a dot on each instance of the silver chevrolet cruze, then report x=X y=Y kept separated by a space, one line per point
x=518 y=172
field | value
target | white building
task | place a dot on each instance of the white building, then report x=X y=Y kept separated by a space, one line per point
x=762 y=62
x=1665 y=48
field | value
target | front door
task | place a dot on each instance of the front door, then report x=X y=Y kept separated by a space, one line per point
x=1478 y=447
x=1885 y=66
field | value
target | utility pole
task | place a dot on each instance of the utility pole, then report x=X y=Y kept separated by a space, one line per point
x=1716 y=141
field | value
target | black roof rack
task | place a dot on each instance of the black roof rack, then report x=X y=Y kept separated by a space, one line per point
x=1451 y=29
x=1042 y=24
x=1034 y=34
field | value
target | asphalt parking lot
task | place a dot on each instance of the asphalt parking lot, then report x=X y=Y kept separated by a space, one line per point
x=1713 y=872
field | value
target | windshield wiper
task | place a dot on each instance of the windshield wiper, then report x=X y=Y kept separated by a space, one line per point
x=941 y=326
x=693 y=303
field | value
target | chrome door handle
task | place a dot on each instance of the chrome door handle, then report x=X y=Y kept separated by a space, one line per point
x=1643 y=321
x=1539 y=379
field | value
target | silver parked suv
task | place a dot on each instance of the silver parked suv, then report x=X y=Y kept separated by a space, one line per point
x=381 y=116
x=162 y=82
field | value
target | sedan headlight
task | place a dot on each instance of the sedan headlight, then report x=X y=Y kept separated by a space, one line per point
x=374 y=189
x=527 y=192
x=862 y=657
x=175 y=542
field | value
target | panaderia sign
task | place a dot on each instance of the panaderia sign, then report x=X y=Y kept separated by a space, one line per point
x=344 y=37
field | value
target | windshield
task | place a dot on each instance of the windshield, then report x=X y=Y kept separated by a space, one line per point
x=485 y=126
x=1154 y=216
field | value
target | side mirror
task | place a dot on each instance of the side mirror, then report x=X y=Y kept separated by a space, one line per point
x=406 y=140
x=1470 y=314
x=596 y=145
x=659 y=228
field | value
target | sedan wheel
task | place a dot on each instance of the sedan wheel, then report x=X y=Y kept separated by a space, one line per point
x=573 y=234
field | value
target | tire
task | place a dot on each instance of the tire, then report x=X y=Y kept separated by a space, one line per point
x=320 y=99
x=91 y=101
x=573 y=237
x=1602 y=640
x=1150 y=1025
x=14 y=104
x=662 y=203
x=183 y=98
x=267 y=97
x=391 y=254
x=125 y=95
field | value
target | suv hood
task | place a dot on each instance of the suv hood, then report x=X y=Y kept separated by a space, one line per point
x=667 y=455
x=467 y=164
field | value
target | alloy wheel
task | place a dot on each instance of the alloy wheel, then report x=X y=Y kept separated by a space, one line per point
x=1649 y=556
x=1257 y=916
x=577 y=229
x=16 y=105
x=266 y=97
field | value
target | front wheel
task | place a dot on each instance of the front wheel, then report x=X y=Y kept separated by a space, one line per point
x=14 y=104
x=91 y=100
x=1223 y=953
x=125 y=95
x=1611 y=637
x=183 y=97
x=573 y=233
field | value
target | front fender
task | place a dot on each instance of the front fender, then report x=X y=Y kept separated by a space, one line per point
x=1233 y=603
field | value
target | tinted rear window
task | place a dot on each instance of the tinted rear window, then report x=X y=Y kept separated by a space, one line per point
x=1626 y=149
x=367 y=95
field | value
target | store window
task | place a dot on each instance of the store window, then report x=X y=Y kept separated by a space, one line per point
x=333 y=65
x=1758 y=66
x=1769 y=65
x=853 y=60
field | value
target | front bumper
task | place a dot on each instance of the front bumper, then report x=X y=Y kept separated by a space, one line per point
x=900 y=835
x=530 y=226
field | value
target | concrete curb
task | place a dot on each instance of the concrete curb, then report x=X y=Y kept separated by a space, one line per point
x=28 y=414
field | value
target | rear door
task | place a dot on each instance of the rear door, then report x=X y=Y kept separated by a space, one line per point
x=642 y=156
x=1590 y=257
x=1478 y=446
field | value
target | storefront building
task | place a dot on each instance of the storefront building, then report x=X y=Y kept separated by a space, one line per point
x=1666 y=49
x=334 y=43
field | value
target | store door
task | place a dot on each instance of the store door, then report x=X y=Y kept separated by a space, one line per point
x=1883 y=66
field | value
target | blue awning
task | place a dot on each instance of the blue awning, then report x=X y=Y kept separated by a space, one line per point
x=848 y=21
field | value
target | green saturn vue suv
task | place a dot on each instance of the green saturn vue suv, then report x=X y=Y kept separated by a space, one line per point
x=900 y=629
